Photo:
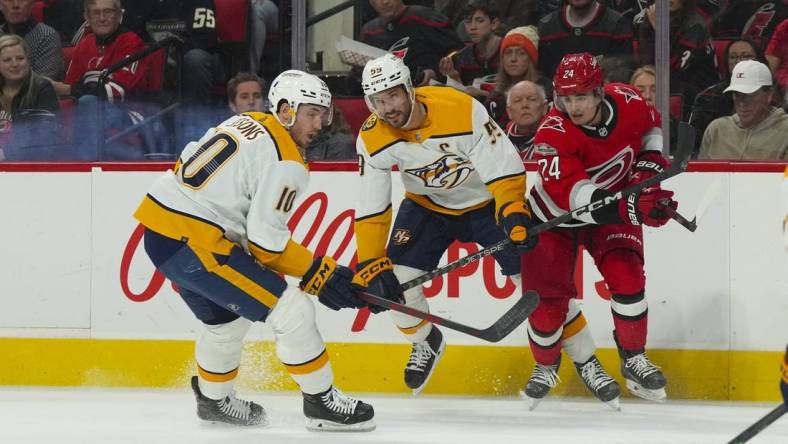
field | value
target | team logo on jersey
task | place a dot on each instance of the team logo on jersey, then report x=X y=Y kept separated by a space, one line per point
x=234 y=307
x=401 y=236
x=554 y=123
x=629 y=94
x=370 y=122
x=447 y=172
x=614 y=170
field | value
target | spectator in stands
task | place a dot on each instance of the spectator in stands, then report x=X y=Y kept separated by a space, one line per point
x=469 y=67
x=106 y=45
x=615 y=70
x=263 y=21
x=334 y=142
x=644 y=79
x=777 y=55
x=756 y=19
x=519 y=59
x=757 y=130
x=583 y=26
x=28 y=105
x=419 y=35
x=46 y=57
x=712 y=103
x=195 y=22
x=693 y=66
x=512 y=14
x=526 y=104
x=245 y=93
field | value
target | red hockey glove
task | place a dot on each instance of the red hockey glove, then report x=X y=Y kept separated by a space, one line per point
x=515 y=219
x=647 y=207
x=330 y=282
x=647 y=165
x=376 y=276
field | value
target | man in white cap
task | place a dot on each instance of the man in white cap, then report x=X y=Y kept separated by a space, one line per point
x=756 y=131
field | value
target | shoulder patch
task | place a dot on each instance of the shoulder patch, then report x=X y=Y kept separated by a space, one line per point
x=555 y=123
x=370 y=123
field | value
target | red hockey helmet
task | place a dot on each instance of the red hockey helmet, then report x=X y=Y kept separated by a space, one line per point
x=577 y=74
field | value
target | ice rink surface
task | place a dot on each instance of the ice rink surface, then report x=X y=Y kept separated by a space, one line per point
x=89 y=416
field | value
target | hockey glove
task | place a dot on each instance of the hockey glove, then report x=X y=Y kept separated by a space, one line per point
x=647 y=207
x=515 y=219
x=376 y=276
x=648 y=164
x=330 y=282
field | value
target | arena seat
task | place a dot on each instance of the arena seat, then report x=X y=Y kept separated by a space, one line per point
x=354 y=110
x=719 y=50
x=676 y=103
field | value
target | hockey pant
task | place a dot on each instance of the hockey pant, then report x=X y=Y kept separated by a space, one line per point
x=549 y=269
x=228 y=293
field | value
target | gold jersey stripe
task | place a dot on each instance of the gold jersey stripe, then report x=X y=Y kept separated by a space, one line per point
x=428 y=203
x=217 y=377
x=371 y=234
x=181 y=226
x=285 y=146
x=295 y=260
x=310 y=366
x=505 y=190
x=236 y=278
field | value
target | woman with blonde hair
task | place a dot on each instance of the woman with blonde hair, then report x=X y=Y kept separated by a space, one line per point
x=28 y=103
x=519 y=56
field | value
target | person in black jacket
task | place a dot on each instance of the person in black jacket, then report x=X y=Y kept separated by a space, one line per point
x=419 y=35
x=28 y=105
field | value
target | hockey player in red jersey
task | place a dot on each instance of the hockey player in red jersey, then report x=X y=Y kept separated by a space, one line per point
x=596 y=141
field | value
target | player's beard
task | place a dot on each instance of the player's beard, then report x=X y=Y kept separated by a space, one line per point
x=402 y=117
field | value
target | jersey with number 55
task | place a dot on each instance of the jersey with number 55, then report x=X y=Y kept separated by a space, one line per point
x=236 y=185
x=573 y=161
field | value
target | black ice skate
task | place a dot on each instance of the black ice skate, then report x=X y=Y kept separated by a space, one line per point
x=333 y=411
x=543 y=378
x=423 y=358
x=230 y=410
x=597 y=380
x=644 y=379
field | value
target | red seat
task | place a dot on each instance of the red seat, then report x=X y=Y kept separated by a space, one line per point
x=153 y=66
x=719 y=49
x=38 y=10
x=355 y=111
x=231 y=20
x=675 y=105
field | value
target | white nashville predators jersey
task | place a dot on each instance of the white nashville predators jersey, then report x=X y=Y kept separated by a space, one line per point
x=459 y=160
x=234 y=186
x=785 y=209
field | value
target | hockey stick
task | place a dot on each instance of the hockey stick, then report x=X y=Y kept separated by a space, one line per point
x=760 y=424
x=494 y=333
x=711 y=193
x=686 y=139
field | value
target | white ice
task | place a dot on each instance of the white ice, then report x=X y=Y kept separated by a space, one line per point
x=88 y=416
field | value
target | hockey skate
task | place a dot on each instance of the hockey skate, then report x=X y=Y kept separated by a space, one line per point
x=543 y=378
x=423 y=358
x=333 y=411
x=230 y=410
x=597 y=380
x=644 y=379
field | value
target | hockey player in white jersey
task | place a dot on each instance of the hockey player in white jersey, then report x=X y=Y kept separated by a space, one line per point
x=216 y=226
x=463 y=178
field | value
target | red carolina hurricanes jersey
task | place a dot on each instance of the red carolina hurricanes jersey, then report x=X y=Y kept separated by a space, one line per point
x=574 y=161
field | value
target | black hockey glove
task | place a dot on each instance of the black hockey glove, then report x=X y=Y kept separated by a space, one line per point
x=515 y=219
x=330 y=282
x=376 y=276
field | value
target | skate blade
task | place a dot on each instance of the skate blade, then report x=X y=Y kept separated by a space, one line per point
x=657 y=395
x=418 y=389
x=324 y=425
x=532 y=402
x=614 y=404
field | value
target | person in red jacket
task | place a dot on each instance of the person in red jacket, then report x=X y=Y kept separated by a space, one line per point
x=106 y=45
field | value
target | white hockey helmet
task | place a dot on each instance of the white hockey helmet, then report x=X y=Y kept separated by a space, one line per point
x=297 y=88
x=383 y=73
